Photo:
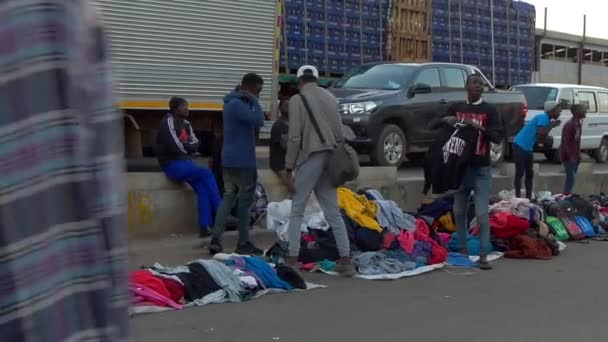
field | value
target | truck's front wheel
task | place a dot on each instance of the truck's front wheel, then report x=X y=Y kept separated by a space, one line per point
x=390 y=148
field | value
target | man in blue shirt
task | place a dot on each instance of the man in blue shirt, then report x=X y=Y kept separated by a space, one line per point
x=535 y=130
x=242 y=117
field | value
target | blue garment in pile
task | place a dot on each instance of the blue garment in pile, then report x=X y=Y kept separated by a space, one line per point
x=266 y=273
x=460 y=260
x=374 y=263
x=389 y=215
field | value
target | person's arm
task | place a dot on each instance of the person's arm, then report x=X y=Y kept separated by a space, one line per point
x=193 y=143
x=494 y=130
x=169 y=139
x=544 y=126
x=295 y=133
x=248 y=110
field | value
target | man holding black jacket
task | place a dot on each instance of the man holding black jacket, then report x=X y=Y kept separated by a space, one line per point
x=478 y=177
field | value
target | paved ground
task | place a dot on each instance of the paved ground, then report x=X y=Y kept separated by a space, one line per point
x=520 y=300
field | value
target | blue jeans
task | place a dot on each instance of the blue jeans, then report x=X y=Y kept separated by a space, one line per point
x=571 y=169
x=478 y=180
x=239 y=184
x=202 y=182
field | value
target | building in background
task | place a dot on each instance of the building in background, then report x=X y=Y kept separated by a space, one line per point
x=567 y=58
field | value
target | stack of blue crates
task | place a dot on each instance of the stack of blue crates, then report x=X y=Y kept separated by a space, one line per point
x=334 y=35
x=471 y=28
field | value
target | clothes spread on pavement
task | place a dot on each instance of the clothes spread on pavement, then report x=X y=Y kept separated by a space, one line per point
x=226 y=278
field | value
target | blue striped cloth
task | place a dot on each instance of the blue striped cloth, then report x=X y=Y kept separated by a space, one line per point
x=62 y=228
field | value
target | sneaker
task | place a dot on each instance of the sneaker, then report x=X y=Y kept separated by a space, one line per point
x=346 y=269
x=215 y=247
x=248 y=248
x=484 y=264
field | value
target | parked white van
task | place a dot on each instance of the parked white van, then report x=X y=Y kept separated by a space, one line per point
x=594 y=137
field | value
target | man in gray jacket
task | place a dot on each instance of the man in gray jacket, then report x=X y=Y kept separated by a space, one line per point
x=306 y=162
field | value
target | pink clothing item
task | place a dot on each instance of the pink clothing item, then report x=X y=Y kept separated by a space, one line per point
x=445 y=238
x=388 y=239
x=406 y=241
x=475 y=231
x=145 y=296
x=307 y=267
x=423 y=233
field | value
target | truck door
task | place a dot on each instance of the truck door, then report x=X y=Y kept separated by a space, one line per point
x=422 y=108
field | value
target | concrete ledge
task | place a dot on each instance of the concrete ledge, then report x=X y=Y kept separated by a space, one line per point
x=159 y=206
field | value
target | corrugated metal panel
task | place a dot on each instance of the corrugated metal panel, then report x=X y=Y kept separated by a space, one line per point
x=198 y=49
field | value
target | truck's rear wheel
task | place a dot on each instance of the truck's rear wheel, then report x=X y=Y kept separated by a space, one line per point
x=601 y=154
x=390 y=148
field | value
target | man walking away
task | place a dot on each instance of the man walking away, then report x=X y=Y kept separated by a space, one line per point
x=308 y=156
x=535 y=130
x=478 y=176
x=571 y=145
x=176 y=143
x=278 y=142
x=242 y=117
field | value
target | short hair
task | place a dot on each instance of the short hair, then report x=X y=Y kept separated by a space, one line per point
x=472 y=76
x=252 y=79
x=175 y=102
x=578 y=108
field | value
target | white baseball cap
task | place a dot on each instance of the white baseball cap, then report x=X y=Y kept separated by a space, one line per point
x=550 y=106
x=307 y=68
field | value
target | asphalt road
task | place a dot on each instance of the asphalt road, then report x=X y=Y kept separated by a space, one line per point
x=560 y=300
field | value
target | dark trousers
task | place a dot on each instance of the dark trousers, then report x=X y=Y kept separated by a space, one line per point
x=524 y=166
x=571 y=169
x=239 y=185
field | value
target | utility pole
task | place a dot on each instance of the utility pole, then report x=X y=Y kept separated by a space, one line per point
x=581 y=51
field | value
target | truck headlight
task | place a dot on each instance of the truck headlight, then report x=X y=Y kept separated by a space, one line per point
x=358 y=108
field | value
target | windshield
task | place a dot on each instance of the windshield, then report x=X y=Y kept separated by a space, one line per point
x=379 y=76
x=537 y=96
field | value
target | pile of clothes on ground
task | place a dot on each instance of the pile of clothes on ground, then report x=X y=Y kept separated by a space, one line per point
x=387 y=240
x=226 y=278
x=384 y=239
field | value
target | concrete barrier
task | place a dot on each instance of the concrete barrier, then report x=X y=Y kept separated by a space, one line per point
x=158 y=206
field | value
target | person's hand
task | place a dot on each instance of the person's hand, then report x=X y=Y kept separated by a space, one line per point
x=473 y=124
x=555 y=123
x=291 y=182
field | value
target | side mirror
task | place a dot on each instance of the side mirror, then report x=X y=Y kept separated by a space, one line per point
x=420 y=88
x=565 y=104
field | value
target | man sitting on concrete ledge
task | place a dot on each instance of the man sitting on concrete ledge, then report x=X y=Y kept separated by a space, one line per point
x=175 y=144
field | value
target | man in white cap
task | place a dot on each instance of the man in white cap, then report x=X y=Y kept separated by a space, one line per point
x=315 y=129
x=535 y=130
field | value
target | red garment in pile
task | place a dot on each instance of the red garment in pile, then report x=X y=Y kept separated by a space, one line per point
x=147 y=279
x=176 y=289
x=527 y=247
x=506 y=225
x=423 y=233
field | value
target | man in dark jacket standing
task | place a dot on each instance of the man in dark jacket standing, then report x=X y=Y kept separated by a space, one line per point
x=478 y=177
x=175 y=145
x=570 y=150
x=243 y=115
